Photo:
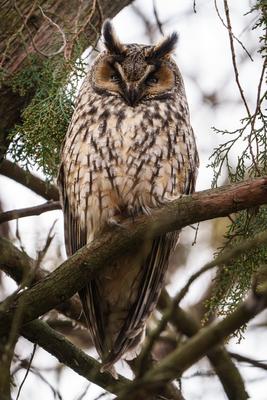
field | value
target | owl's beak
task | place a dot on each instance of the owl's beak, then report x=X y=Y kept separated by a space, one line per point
x=132 y=95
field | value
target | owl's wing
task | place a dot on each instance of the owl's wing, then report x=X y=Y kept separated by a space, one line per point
x=151 y=281
x=75 y=238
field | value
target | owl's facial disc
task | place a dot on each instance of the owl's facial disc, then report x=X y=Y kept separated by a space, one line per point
x=135 y=72
x=120 y=78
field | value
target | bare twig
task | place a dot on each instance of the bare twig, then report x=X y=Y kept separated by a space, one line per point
x=196 y=233
x=78 y=32
x=236 y=38
x=149 y=29
x=251 y=361
x=258 y=99
x=156 y=15
x=27 y=370
x=250 y=117
x=41 y=253
x=36 y=372
x=84 y=392
x=61 y=49
x=230 y=33
x=29 y=211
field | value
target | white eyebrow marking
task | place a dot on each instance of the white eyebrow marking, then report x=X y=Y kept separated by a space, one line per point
x=149 y=69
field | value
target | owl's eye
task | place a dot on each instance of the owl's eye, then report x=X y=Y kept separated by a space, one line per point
x=115 y=78
x=151 y=80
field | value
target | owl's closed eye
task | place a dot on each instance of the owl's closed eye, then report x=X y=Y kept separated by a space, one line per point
x=142 y=74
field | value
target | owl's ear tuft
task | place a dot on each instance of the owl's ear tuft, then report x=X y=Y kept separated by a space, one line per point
x=111 y=40
x=164 y=48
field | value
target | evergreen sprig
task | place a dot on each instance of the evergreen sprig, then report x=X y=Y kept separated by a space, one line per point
x=37 y=140
x=242 y=155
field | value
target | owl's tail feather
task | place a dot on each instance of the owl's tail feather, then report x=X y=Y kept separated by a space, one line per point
x=134 y=347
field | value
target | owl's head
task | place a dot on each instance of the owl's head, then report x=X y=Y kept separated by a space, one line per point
x=134 y=72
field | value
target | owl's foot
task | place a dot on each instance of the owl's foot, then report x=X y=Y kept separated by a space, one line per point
x=113 y=223
x=131 y=213
x=166 y=200
x=111 y=369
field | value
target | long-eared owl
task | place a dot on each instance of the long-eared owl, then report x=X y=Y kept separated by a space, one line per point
x=129 y=149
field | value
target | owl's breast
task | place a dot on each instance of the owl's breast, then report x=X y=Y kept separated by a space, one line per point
x=131 y=159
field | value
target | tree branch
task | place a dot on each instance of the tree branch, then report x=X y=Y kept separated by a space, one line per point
x=29 y=211
x=44 y=189
x=68 y=354
x=18 y=264
x=219 y=358
x=86 y=263
x=195 y=348
x=231 y=36
x=224 y=257
x=251 y=361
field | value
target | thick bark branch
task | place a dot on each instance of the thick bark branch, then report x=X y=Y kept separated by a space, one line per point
x=223 y=258
x=86 y=263
x=173 y=366
x=218 y=356
x=70 y=355
x=18 y=265
x=44 y=189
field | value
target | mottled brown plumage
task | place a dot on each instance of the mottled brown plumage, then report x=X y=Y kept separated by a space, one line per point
x=129 y=148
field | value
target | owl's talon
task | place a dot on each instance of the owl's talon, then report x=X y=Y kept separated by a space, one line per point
x=113 y=223
x=132 y=213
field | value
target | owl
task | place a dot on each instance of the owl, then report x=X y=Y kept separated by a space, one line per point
x=129 y=149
